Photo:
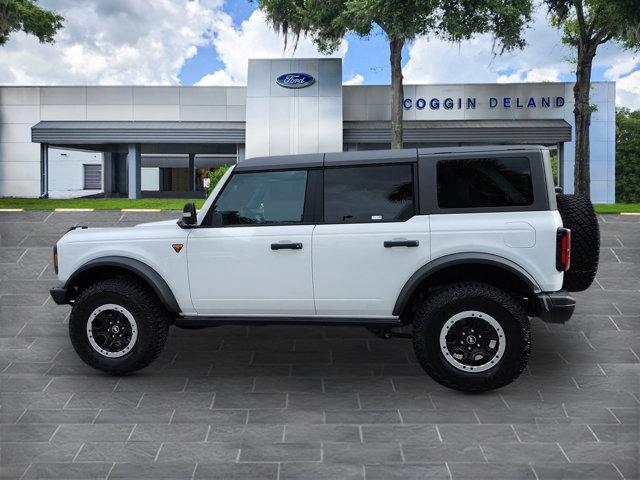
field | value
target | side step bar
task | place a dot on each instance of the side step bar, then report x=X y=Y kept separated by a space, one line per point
x=203 y=322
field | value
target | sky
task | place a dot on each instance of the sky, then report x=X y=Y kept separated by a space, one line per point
x=208 y=42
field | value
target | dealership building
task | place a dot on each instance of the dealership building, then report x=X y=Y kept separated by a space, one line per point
x=150 y=141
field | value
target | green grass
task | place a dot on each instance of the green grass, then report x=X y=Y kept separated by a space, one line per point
x=97 y=203
x=617 y=208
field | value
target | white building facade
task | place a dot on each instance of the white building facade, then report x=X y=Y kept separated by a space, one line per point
x=161 y=141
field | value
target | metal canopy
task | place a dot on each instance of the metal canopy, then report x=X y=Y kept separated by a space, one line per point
x=436 y=131
x=462 y=131
x=69 y=133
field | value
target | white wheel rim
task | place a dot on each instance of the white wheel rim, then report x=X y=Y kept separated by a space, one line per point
x=132 y=324
x=449 y=355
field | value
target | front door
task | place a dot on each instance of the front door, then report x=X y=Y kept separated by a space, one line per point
x=371 y=241
x=254 y=256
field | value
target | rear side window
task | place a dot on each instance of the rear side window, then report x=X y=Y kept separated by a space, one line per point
x=484 y=182
x=261 y=198
x=381 y=193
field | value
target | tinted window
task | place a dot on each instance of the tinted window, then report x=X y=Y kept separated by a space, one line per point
x=261 y=198
x=484 y=182
x=368 y=194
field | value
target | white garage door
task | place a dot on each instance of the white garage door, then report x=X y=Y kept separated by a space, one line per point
x=92 y=177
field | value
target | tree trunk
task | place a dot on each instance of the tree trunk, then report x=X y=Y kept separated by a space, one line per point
x=582 y=114
x=397 y=96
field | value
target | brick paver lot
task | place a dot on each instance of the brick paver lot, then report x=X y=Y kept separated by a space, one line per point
x=311 y=402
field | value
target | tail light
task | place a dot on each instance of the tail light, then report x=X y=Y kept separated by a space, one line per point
x=55 y=259
x=563 y=249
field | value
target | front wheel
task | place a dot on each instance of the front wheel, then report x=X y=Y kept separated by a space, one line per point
x=472 y=337
x=118 y=326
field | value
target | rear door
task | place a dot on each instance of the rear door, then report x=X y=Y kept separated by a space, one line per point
x=254 y=256
x=371 y=241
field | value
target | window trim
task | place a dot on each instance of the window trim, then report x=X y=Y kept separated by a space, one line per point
x=307 y=208
x=414 y=182
x=427 y=167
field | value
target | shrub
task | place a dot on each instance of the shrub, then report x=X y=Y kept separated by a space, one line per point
x=215 y=176
x=627 y=156
x=554 y=166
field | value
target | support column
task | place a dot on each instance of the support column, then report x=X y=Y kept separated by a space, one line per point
x=192 y=172
x=107 y=173
x=239 y=152
x=561 y=165
x=133 y=170
x=44 y=170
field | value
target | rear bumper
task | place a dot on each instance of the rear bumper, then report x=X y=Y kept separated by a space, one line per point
x=555 y=307
x=59 y=295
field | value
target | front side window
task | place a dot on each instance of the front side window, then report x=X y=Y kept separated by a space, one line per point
x=261 y=198
x=484 y=182
x=368 y=194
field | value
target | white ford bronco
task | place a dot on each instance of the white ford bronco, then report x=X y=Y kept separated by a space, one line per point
x=464 y=243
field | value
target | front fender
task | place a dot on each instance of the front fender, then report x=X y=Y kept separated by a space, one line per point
x=141 y=269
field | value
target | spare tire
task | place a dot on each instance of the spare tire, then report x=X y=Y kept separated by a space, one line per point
x=579 y=216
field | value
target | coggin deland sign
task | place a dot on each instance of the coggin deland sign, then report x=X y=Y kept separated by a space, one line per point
x=469 y=103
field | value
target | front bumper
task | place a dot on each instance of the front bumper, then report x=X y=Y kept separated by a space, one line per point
x=59 y=295
x=555 y=307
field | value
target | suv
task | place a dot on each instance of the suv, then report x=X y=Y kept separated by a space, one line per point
x=466 y=244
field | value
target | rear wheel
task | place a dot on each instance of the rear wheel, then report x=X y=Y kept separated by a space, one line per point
x=118 y=326
x=472 y=337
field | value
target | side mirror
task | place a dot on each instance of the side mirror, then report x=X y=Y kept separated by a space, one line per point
x=189 y=217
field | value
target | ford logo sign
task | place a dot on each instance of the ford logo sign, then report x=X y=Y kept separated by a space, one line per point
x=295 y=80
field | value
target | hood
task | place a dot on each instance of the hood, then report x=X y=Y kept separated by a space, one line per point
x=158 y=223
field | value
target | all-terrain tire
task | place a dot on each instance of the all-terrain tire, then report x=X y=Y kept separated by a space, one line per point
x=437 y=309
x=579 y=216
x=151 y=318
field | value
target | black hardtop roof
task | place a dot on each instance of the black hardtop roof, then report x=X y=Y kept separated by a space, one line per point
x=317 y=160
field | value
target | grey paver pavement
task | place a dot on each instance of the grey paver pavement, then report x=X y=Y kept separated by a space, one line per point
x=311 y=402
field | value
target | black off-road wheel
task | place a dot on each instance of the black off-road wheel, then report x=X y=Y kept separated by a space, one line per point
x=471 y=337
x=579 y=216
x=118 y=326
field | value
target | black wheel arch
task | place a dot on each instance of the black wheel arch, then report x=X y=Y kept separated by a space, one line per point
x=493 y=269
x=110 y=266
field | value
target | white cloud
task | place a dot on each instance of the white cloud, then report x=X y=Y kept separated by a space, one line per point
x=253 y=39
x=628 y=91
x=114 y=42
x=432 y=60
x=626 y=62
x=357 y=79
x=217 y=78
x=531 y=75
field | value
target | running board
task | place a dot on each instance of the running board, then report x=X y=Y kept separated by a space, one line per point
x=203 y=322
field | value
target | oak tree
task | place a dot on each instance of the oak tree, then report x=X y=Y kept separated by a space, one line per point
x=587 y=24
x=27 y=16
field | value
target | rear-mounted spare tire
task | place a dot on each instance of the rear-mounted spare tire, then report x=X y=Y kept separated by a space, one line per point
x=579 y=216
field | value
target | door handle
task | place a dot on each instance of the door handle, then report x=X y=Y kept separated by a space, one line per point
x=401 y=243
x=285 y=246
